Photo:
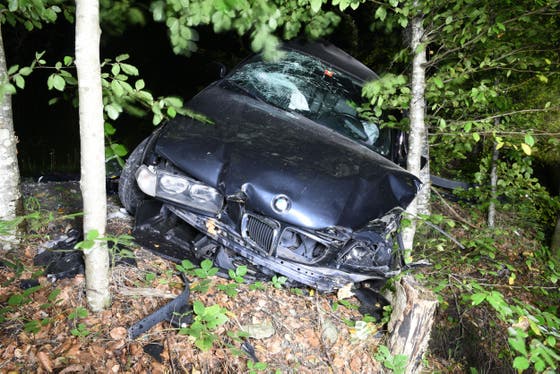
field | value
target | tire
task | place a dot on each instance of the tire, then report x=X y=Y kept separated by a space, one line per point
x=129 y=193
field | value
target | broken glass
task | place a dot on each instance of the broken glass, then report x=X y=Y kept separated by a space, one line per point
x=309 y=86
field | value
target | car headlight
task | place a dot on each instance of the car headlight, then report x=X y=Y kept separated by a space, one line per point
x=147 y=180
x=179 y=189
x=366 y=254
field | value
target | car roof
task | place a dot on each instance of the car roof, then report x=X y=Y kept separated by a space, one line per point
x=333 y=55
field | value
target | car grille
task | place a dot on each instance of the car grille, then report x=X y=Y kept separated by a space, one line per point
x=261 y=231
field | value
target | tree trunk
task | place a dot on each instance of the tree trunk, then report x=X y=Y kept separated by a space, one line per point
x=10 y=196
x=493 y=186
x=555 y=243
x=417 y=136
x=411 y=322
x=92 y=150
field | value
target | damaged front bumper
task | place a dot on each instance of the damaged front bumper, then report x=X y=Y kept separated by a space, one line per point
x=325 y=260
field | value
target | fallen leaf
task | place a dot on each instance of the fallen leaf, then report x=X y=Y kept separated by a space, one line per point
x=45 y=361
x=118 y=333
x=345 y=292
x=72 y=369
x=310 y=336
x=260 y=330
x=329 y=333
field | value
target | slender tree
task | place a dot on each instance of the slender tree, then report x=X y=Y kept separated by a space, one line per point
x=418 y=139
x=32 y=14
x=10 y=196
x=92 y=147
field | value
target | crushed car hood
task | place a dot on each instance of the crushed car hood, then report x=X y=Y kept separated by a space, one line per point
x=329 y=179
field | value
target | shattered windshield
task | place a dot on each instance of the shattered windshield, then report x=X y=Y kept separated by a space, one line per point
x=301 y=83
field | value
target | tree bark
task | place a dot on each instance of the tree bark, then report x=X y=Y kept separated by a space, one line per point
x=92 y=160
x=555 y=243
x=418 y=136
x=10 y=196
x=493 y=186
x=411 y=322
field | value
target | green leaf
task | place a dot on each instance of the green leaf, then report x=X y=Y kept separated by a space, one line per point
x=119 y=149
x=526 y=149
x=92 y=234
x=315 y=5
x=241 y=270
x=53 y=295
x=13 y=69
x=58 y=82
x=476 y=136
x=173 y=101
x=68 y=60
x=198 y=307
x=381 y=13
x=12 y=5
x=16 y=299
x=518 y=344
x=25 y=71
x=542 y=78
x=129 y=69
x=521 y=363
x=109 y=129
x=438 y=82
x=117 y=88
x=139 y=85
x=122 y=57
x=19 y=81
x=529 y=140
x=477 y=298
x=112 y=111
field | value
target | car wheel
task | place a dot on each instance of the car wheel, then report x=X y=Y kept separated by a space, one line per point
x=129 y=193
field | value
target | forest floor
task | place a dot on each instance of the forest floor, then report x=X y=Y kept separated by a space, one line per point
x=45 y=325
x=47 y=328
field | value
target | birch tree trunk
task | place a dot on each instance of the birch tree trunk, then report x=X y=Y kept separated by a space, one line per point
x=493 y=186
x=92 y=160
x=555 y=242
x=411 y=322
x=10 y=196
x=418 y=136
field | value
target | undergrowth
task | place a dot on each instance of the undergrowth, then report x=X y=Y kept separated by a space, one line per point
x=499 y=295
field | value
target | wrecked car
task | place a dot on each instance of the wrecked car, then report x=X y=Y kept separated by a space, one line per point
x=287 y=178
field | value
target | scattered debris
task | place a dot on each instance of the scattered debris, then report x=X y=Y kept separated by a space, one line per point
x=155 y=350
x=259 y=331
x=175 y=312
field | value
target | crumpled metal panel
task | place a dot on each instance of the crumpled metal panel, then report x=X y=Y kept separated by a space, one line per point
x=264 y=151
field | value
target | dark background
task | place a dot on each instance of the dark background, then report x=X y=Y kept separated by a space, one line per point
x=49 y=134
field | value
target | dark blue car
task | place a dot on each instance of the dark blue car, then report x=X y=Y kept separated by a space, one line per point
x=287 y=179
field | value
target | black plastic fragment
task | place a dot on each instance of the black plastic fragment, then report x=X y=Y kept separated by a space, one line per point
x=60 y=264
x=372 y=302
x=155 y=350
x=167 y=312
x=61 y=260
x=59 y=257
x=25 y=284
x=249 y=350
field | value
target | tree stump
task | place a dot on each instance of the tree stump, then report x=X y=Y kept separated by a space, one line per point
x=411 y=321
